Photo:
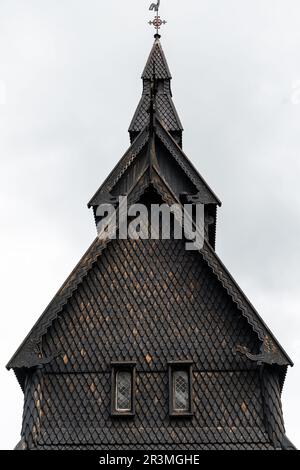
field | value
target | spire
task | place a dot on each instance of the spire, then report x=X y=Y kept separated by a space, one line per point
x=165 y=109
x=157 y=60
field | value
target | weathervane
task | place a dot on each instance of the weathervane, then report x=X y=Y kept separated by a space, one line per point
x=157 y=22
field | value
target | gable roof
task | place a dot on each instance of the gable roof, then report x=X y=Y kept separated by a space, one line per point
x=176 y=153
x=27 y=354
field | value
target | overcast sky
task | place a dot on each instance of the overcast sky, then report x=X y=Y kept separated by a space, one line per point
x=69 y=84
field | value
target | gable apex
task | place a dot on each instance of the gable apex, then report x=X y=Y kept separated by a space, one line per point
x=175 y=153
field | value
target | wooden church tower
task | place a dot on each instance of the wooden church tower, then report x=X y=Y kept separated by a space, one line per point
x=147 y=345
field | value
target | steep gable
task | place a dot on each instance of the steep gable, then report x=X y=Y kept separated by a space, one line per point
x=29 y=350
x=132 y=165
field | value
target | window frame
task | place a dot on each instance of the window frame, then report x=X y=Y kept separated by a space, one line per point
x=116 y=367
x=176 y=366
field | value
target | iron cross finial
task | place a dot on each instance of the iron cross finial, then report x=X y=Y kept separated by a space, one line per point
x=157 y=22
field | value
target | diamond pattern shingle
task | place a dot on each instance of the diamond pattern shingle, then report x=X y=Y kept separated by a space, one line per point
x=129 y=309
x=157 y=64
x=166 y=111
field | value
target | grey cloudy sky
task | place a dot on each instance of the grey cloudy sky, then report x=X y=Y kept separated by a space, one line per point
x=69 y=84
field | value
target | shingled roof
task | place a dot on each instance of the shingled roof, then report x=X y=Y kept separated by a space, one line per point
x=157 y=63
x=271 y=350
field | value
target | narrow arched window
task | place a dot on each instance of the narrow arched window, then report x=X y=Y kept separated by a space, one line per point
x=123 y=389
x=180 y=389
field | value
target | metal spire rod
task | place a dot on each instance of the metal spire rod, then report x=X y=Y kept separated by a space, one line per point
x=157 y=22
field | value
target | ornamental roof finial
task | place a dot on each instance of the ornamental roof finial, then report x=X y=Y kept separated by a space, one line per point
x=157 y=22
